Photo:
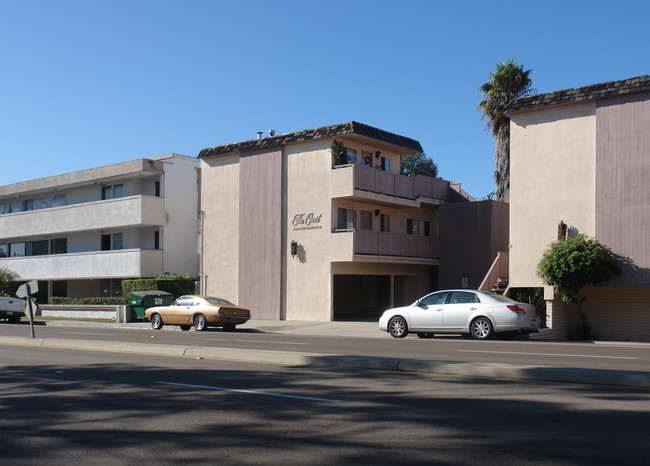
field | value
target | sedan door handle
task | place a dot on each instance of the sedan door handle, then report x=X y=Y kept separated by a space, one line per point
x=473 y=308
x=439 y=309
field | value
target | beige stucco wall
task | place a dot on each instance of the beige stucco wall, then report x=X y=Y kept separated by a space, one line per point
x=220 y=201
x=552 y=178
x=308 y=193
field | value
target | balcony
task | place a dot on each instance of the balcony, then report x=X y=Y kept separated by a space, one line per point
x=97 y=215
x=349 y=180
x=352 y=244
x=88 y=265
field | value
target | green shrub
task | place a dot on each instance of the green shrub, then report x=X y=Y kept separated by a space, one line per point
x=110 y=301
x=177 y=285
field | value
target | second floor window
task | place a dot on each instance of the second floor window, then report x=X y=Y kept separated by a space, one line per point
x=112 y=192
x=366 y=220
x=347 y=219
x=384 y=222
x=352 y=156
x=417 y=227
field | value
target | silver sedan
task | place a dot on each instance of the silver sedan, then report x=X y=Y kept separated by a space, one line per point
x=479 y=313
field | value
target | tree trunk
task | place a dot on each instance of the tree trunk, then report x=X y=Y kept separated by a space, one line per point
x=502 y=159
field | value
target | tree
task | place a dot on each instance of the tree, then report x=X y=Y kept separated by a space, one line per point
x=507 y=83
x=6 y=276
x=571 y=264
x=417 y=164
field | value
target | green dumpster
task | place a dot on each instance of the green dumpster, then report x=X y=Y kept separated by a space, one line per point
x=139 y=301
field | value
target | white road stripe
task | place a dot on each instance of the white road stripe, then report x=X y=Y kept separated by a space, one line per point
x=549 y=354
x=208 y=387
x=261 y=341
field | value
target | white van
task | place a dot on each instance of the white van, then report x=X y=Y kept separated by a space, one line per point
x=12 y=309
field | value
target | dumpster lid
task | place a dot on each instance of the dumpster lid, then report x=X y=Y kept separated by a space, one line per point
x=150 y=293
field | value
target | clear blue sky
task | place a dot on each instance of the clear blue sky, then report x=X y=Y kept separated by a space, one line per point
x=86 y=83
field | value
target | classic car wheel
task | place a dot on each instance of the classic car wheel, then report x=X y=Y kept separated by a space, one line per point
x=425 y=335
x=397 y=327
x=200 y=323
x=185 y=328
x=229 y=327
x=481 y=328
x=156 y=322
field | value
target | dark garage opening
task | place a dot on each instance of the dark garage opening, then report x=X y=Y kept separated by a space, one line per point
x=361 y=297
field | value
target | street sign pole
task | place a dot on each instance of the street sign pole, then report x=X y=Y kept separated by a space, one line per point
x=25 y=291
x=30 y=311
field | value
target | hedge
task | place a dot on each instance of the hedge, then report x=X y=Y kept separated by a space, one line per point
x=176 y=286
x=112 y=301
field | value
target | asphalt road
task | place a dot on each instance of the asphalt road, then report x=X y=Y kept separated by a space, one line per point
x=588 y=356
x=64 y=407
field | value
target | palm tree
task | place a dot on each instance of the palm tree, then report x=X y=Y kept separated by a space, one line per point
x=508 y=82
x=6 y=276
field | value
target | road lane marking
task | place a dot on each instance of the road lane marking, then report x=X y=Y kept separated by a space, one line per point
x=260 y=341
x=550 y=354
x=253 y=392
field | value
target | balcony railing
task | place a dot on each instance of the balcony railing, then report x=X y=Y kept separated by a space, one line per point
x=392 y=244
x=88 y=265
x=97 y=215
x=381 y=182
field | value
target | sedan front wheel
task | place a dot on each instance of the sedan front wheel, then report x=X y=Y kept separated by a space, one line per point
x=481 y=328
x=397 y=327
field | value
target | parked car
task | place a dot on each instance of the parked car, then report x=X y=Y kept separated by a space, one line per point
x=198 y=311
x=479 y=313
x=12 y=309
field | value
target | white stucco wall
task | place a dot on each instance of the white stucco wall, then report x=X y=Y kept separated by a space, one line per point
x=552 y=178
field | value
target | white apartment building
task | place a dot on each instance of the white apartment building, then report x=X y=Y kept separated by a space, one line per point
x=80 y=234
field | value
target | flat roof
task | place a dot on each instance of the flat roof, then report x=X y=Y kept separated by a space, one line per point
x=581 y=94
x=351 y=127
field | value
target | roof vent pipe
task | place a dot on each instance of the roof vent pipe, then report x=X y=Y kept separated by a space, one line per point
x=259 y=135
x=271 y=132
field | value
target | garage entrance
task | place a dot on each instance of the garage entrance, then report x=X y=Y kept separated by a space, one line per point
x=361 y=297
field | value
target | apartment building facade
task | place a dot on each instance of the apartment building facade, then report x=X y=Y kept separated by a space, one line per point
x=295 y=232
x=80 y=234
x=582 y=157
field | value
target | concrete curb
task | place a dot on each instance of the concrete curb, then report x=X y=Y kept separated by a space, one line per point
x=499 y=371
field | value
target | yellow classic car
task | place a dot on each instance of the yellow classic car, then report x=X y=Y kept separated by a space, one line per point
x=198 y=311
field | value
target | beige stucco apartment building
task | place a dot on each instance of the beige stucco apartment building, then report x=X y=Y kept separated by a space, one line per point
x=582 y=156
x=294 y=234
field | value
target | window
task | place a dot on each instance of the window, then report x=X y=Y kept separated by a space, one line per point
x=117 y=240
x=17 y=249
x=463 y=297
x=156 y=240
x=385 y=164
x=29 y=204
x=417 y=227
x=111 y=192
x=347 y=219
x=59 y=246
x=384 y=222
x=352 y=156
x=106 y=242
x=156 y=189
x=4 y=250
x=36 y=248
x=435 y=298
x=59 y=200
x=366 y=158
x=366 y=220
